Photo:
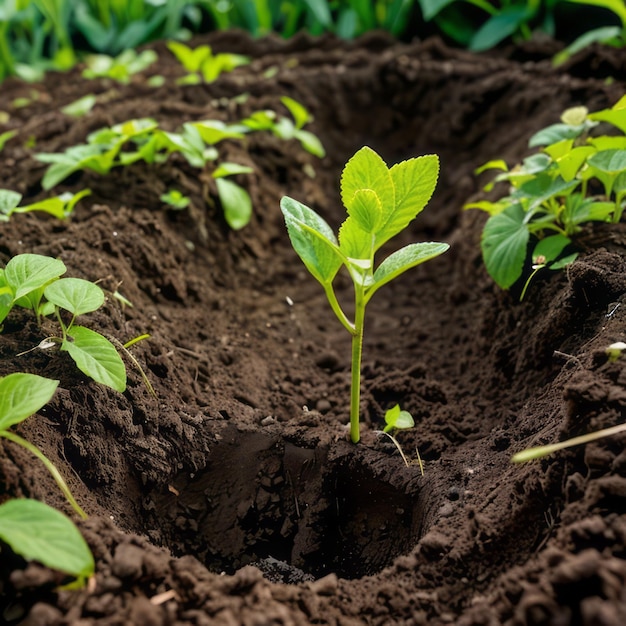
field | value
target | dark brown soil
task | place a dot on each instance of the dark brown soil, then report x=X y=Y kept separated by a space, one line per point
x=236 y=492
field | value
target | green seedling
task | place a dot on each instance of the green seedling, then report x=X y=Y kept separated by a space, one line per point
x=34 y=282
x=576 y=176
x=380 y=202
x=80 y=107
x=284 y=128
x=143 y=140
x=202 y=64
x=395 y=418
x=7 y=136
x=120 y=68
x=60 y=207
x=175 y=199
x=33 y=529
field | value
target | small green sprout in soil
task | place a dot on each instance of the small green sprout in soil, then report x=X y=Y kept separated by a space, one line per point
x=33 y=529
x=120 y=68
x=175 y=199
x=397 y=419
x=143 y=140
x=60 y=207
x=34 y=282
x=380 y=202
x=80 y=107
x=202 y=65
x=577 y=176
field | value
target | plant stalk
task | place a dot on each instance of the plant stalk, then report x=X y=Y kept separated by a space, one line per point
x=357 y=351
x=50 y=466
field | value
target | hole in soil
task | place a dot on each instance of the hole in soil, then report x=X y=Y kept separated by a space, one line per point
x=262 y=500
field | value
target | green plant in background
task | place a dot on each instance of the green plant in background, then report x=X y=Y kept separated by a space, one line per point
x=60 y=207
x=32 y=281
x=575 y=177
x=143 y=140
x=202 y=65
x=33 y=529
x=610 y=35
x=380 y=202
x=120 y=68
x=481 y=24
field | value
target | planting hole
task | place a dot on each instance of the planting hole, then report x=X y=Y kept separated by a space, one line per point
x=295 y=512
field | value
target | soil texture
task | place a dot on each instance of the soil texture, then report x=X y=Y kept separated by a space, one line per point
x=235 y=496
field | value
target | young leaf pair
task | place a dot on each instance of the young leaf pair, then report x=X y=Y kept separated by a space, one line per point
x=380 y=202
x=33 y=281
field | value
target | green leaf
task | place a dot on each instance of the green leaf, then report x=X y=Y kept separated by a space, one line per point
x=366 y=210
x=414 y=182
x=312 y=239
x=6 y=136
x=310 y=143
x=27 y=272
x=38 y=532
x=231 y=169
x=236 y=203
x=299 y=113
x=354 y=242
x=550 y=248
x=542 y=187
x=570 y=163
x=366 y=170
x=504 y=245
x=214 y=131
x=395 y=418
x=498 y=27
x=555 y=133
x=494 y=164
x=430 y=8
x=96 y=357
x=80 y=107
x=404 y=259
x=21 y=395
x=609 y=161
x=9 y=200
x=75 y=295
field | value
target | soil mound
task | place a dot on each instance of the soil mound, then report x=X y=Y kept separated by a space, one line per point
x=234 y=497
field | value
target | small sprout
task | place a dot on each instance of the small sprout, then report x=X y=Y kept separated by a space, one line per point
x=80 y=107
x=614 y=351
x=176 y=199
x=380 y=202
x=396 y=418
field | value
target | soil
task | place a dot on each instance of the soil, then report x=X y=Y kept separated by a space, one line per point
x=235 y=496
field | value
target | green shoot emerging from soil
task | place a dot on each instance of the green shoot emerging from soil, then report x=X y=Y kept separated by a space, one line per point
x=380 y=202
x=33 y=529
x=33 y=281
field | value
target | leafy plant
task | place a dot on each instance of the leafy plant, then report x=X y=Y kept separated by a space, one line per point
x=202 y=65
x=35 y=530
x=143 y=140
x=380 y=202
x=286 y=129
x=33 y=281
x=395 y=418
x=60 y=207
x=576 y=177
x=120 y=68
x=610 y=35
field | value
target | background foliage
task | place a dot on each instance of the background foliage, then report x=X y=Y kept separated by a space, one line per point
x=36 y=35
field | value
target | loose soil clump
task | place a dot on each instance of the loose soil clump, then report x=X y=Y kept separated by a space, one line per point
x=234 y=496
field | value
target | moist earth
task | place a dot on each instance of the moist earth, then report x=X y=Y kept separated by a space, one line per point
x=234 y=496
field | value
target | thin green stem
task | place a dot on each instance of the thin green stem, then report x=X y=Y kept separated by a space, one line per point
x=50 y=467
x=334 y=303
x=357 y=350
